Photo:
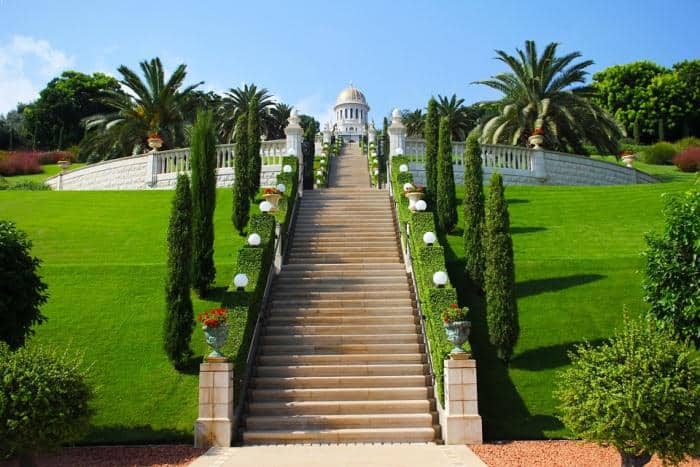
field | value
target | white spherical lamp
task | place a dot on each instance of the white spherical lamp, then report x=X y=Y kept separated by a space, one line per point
x=376 y=171
x=287 y=169
x=440 y=278
x=292 y=152
x=322 y=161
x=240 y=280
x=421 y=205
x=429 y=238
x=281 y=188
x=407 y=186
x=319 y=172
x=254 y=239
x=403 y=168
x=399 y=151
x=265 y=207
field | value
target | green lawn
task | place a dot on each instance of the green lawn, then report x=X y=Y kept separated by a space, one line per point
x=665 y=173
x=577 y=256
x=104 y=261
x=49 y=171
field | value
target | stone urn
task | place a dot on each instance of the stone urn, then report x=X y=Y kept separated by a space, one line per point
x=413 y=197
x=457 y=334
x=536 y=141
x=216 y=338
x=155 y=142
x=628 y=159
x=63 y=164
x=273 y=199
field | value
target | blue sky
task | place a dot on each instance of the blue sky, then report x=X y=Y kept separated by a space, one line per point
x=398 y=52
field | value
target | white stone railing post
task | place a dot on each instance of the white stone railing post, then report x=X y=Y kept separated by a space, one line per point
x=151 y=169
x=463 y=422
x=372 y=134
x=327 y=134
x=539 y=168
x=214 y=426
x=397 y=135
x=295 y=135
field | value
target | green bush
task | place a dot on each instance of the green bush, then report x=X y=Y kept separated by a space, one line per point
x=672 y=268
x=44 y=400
x=689 y=142
x=431 y=259
x=473 y=210
x=437 y=300
x=24 y=185
x=639 y=392
x=241 y=185
x=446 y=205
x=432 y=124
x=660 y=153
x=22 y=292
x=253 y=147
x=420 y=223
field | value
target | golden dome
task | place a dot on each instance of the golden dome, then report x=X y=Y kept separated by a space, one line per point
x=351 y=95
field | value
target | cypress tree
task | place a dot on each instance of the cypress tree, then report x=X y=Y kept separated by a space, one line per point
x=179 y=319
x=254 y=161
x=446 y=205
x=430 y=132
x=241 y=184
x=385 y=138
x=499 y=274
x=203 y=166
x=473 y=210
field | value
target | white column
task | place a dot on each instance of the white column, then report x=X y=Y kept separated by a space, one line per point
x=538 y=165
x=372 y=134
x=397 y=135
x=151 y=169
x=462 y=424
x=214 y=424
x=327 y=134
x=295 y=135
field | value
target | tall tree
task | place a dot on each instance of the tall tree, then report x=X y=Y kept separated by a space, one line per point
x=203 y=164
x=241 y=184
x=414 y=121
x=473 y=210
x=144 y=107
x=446 y=206
x=432 y=123
x=179 y=317
x=253 y=147
x=462 y=118
x=499 y=274
x=236 y=103
x=308 y=147
x=279 y=119
x=539 y=93
x=385 y=138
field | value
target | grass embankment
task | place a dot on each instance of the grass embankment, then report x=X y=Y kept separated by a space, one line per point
x=49 y=171
x=577 y=255
x=104 y=257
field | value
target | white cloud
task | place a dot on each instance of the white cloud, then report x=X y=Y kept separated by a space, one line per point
x=317 y=107
x=26 y=64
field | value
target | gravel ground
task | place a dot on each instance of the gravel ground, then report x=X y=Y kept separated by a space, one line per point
x=120 y=456
x=554 y=454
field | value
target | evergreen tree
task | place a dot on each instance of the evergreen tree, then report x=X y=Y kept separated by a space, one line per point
x=385 y=139
x=499 y=274
x=179 y=319
x=473 y=210
x=203 y=166
x=254 y=160
x=446 y=205
x=241 y=185
x=430 y=132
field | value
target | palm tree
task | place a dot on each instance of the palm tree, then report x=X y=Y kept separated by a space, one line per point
x=413 y=121
x=141 y=108
x=539 y=92
x=236 y=102
x=461 y=119
x=279 y=117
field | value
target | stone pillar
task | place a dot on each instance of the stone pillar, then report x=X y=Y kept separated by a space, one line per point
x=462 y=421
x=327 y=133
x=215 y=422
x=295 y=136
x=539 y=169
x=151 y=166
x=372 y=134
x=397 y=135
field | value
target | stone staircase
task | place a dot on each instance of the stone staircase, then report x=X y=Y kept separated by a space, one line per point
x=341 y=357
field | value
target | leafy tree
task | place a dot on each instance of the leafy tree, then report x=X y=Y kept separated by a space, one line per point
x=688 y=72
x=639 y=392
x=179 y=317
x=279 y=119
x=196 y=101
x=203 y=164
x=151 y=106
x=13 y=131
x=668 y=105
x=22 y=292
x=308 y=147
x=44 y=401
x=385 y=138
x=254 y=160
x=538 y=93
x=432 y=124
x=473 y=210
x=241 y=195
x=236 y=103
x=672 y=283
x=462 y=118
x=414 y=121
x=446 y=205
x=499 y=273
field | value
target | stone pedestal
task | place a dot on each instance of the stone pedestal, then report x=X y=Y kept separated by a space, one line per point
x=214 y=424
x=462 y=424
x=397 y=135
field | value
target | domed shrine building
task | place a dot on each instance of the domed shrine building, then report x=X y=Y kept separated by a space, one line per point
x=351 y=111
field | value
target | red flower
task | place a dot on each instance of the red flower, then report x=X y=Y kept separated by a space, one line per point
x=538 y=132
x=454 y=305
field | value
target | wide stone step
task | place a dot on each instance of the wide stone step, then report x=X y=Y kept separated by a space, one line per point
x=342 y=370
x=341 y=394
x=320 y=339
x=346 y=250
x=288 y=268
x=349 y=303
x=350 y=312
x=281 y=320
x=331 y=421
x=341 y=435
x=345 y=226
x=337 y=329
x=340 y=279
x=331 y=258
x=346 y=359
x=340 y=349
x=336 y=243
x=340 y=407
x=337 y=382
x=311 y=294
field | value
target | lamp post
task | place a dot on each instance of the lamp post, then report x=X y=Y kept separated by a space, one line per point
x=440 y=279
x=254 y=239
x=240 y=280
x=429 y=238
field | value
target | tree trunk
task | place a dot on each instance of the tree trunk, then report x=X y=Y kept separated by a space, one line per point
x=631 y=460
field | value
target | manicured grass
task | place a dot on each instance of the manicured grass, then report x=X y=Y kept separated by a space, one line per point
x=49 y=171
x=665 y=173
x=104 y=259
x=577 y=255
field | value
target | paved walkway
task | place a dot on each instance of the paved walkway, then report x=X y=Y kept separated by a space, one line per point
x=341 y=455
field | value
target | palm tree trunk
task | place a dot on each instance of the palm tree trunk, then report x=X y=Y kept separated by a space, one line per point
x=631 y=460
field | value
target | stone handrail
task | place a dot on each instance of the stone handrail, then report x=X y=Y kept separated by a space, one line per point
x=492 y=155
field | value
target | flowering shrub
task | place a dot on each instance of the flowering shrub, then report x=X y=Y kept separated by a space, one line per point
x=454 y=313
x=20 y=163
x=538 y=132
x=416 y=189
x=688 y=160
x=271 y=191
x=627 y=152
x=213 y=318
x=54 y=156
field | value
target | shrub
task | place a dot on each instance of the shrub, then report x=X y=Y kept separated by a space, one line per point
x=203 y=163
x=672 y=269
x=688 y=160
x=689 y=142
x=639 y=392
x=253 y=147
x=54 y=156
x=499 y=273
x=473 y=208
x=179 y=322
x=20 y=163
x=28 y=185
x=22 y=292
x=432 y=124
x=241 y=196
x=44 y=400
x=659 y=153
x=446 y=205
x=435 y=301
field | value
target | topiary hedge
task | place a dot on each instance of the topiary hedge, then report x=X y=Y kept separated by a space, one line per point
x=660 y=153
